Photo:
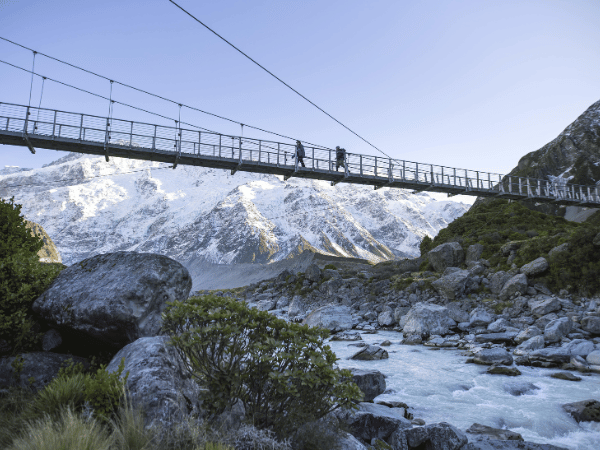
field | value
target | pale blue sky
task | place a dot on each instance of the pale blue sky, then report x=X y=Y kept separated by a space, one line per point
x=471 y=84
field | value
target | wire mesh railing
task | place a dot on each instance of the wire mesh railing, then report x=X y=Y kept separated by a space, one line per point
x=367 y=169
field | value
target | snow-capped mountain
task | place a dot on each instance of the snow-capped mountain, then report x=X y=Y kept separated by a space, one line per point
x=89 y=206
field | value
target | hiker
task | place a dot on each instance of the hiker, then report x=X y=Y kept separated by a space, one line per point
x=300 y=153
x=340 y=158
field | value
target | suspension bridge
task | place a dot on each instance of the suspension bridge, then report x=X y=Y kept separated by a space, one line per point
x=33 y=127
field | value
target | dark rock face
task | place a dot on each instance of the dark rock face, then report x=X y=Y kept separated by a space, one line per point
x=114 y=298
x=450 y=254
x=371 y=353
x=483 y=432
x=370 y=382
x=493 y=356
x=158 y=382
x=437 y=436
x=373 y=421
x=38 y=369
x=584 y=411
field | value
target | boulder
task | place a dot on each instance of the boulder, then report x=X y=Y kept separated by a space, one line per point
x=313 y=273
x=456 y=313
x=474 y=253
x=480 y=318
x=348 y=442
x=515 y=285
x=400 y=312
x=51 y=340
x=453 y=285
x=370 y=353
x=557 y=329
x=594 y=358
x=450 y=254
x=485 y=433
x=568 y=376
x=370 y=382
x=490 y=356
x=518 y=388
x=266 y=305
x=37 y=369
x=437 y=436
x=297 y=307
x=158 y=382
x=563 y=354
x=535 y=267
x=425 y=319
x=497 y=281
x=347 y=336
x=544 y=306
x=500 y=370
x=373 y=421
x=584 y=411
x=114 y=298
x=527 y=333
x=531 y=344
x=282 y=302
x=497 y=338
x=386 y=319
x=331 y=317
x=558 y=249
x=498 y=326
x=591 y=324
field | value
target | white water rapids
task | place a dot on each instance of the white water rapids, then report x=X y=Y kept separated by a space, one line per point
x=440 y=387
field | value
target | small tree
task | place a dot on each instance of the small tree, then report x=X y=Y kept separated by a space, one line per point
x=282 y=372
x=22 y=278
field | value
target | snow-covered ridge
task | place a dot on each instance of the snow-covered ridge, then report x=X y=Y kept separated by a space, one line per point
x=89 y=206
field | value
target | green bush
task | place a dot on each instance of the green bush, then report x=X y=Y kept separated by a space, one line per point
x=330 y=266
x=22 y=279
x=282 y=372
x=426 y=245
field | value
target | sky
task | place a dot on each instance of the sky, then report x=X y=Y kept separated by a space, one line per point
x=461 y=83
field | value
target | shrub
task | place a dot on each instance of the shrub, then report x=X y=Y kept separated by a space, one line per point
x=282 y=372
x=330 y=266
x=426 y=245
x=22 y=278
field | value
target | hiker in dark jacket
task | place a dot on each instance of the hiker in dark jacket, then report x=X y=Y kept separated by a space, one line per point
x=300 y=153
x=340 y=158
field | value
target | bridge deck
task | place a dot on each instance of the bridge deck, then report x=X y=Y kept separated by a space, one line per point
x=58 y=130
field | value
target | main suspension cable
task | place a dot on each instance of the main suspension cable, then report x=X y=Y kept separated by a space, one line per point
x=277 y=78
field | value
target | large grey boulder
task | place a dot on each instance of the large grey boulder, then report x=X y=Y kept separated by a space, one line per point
x=313 y=273
x=496 y=356
x=525 y=347
x=425 y=319
x=544 y=306
x=594 y=358
x=535 y=267
x=36 y=371
x=584 y=411
x=497 y=281
x=297 y=307
x=479 y=317
x=331 y=317
x=557 y=329
x=373 y=421
x=370 y=382
x=370 y=353
x=515 y=285
x=450 y=254
x=527 y=333
x=497 y=338
x=114 y=298
x=158 y=382
x=474 y=253
x=386 y=319
x=485 y=433
x=456 y=313
x=563 y=354
x=437 y=436
x=452 y=285
x=591 y=324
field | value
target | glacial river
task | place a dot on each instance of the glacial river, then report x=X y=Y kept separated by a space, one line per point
x=440 y=387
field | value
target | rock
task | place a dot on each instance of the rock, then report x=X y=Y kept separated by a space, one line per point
x=535 y=267
x=347 y=336
x=437 y=436
x=528 y=333
x=565 y=376
x=456 y=313
x=510 y=371
x=386 y=343
x=348 y=442
x=591 y=324
x=452 y=285
x=558 y=249
x=37 y=369
x=596 y=240
x=51 y=340
x=496 y=338
x=414 y=339
x=266 y=305
x=515 y=285
x=370 y=382
x=594 y=358
x=331 y=317
x=371 y=353
x=297 y=307
x=450 y=254
x=498 y=280
x=509 y=445
x=400 y=311
x=480 y=318
x=584 y=411
x=517 y=388
x=563 y=354
x=373 y=421
x=557 y=329
x=490 y=356
x=483 y=432
x=158 y=382
x=425 y=319
x=386 y=319
x=531 y=344
x=282 y=302
x=579 y=363
x=313 y=273
x=114 y=298
x=498 y=326
x=474 y=253
x=542 y=307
